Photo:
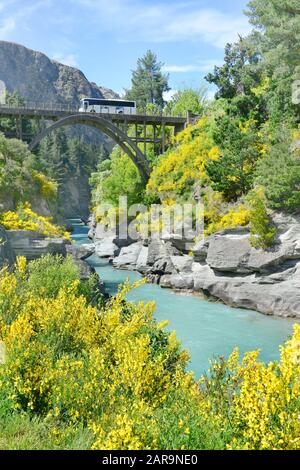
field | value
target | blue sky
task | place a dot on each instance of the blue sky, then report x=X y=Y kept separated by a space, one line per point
x=104 y=38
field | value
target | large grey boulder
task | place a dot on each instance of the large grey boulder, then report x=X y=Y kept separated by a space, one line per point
x=196 y=267
x=267 y=294
x=91 y=233
x=182 y=242
x=159 y=249
x=128 y=257
x=263 y=261
x=181 y=233
x=165 y=281
x=101 y=232
x=281 y=299
x=81 y=252
x=159 y=257
x=182 y=281
x=163 y=266
x=91 y=223
x=203 y=275
x=182 y=264
x=284 y=274
x=142 y=261
x=200 y=249
x=119 y=234
x=229 y=253
x=232 y=252
x=291 y=237
x=106 y=248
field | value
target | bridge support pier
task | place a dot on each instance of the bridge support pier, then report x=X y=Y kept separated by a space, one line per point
x=19 y=127
x=163 y=147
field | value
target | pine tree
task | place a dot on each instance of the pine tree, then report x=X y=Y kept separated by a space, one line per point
x=10 y=126
x=148 y=82
x=279 y=173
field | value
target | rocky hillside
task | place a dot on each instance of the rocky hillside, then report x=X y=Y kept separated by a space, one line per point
x=37 y=78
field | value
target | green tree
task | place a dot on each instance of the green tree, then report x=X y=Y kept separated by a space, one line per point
x=277 y=24
x=233 y=173
x=238 y=78
x=120 y=177
x=53 y=155
x=187 y=99
x=83 y=157
x=263 y=231
x=279 y=173
x=148 y=82
x=17 y=169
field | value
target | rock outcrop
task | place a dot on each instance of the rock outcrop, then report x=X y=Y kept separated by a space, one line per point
x=33 y=245
x=128 y=256
x=225 y=266
x=81 y=252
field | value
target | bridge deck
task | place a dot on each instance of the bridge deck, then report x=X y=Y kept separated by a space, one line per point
x=54 y=114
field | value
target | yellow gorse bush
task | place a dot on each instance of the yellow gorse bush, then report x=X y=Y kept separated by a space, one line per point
x=235 y=217
x=47 y=187
x=185 y=162
x=116 y=371
x=68 y=360
x=24 y=218
x=267 y=407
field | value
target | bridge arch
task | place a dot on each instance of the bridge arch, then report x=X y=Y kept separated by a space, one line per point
x=107 y=127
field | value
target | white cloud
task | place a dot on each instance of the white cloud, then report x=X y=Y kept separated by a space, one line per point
x=66 y=59
x=161 y=22
x=212 y=26
x=203 y=66
x=7 y=26
x=181 y=68
x=168 y=95
x=17 y=19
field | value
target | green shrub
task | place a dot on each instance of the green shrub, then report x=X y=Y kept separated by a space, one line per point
x=263 y=232
x=49 y=274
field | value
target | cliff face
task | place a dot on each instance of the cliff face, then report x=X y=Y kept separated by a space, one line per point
x=37 y=78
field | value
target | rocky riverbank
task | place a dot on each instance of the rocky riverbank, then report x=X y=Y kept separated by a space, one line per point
x=33 y=245
x=224 y=266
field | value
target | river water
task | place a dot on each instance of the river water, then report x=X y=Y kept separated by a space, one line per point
x=206 y=329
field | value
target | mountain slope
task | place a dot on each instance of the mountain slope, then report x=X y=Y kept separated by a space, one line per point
x=40 y=79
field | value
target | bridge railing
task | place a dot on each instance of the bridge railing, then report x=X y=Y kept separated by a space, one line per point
x=63 y=107
x=36 y=105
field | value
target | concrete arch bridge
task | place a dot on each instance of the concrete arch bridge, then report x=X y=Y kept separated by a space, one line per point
x=114 y=126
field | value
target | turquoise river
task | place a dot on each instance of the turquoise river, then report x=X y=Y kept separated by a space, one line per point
x=206 y=329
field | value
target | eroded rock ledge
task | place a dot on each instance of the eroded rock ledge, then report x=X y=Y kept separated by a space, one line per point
x=33 y=245
x=224 y=266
